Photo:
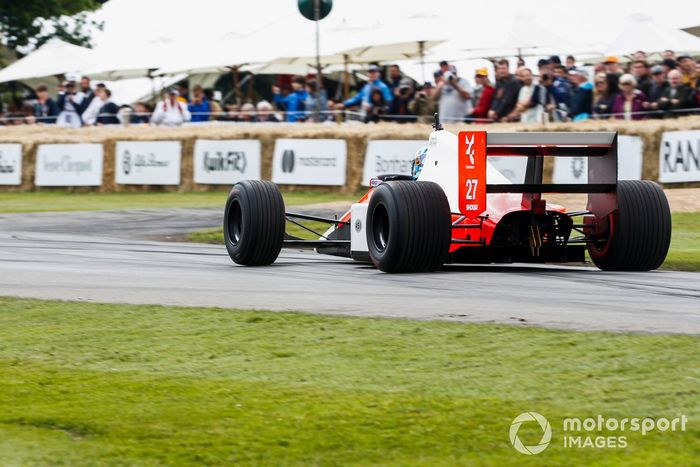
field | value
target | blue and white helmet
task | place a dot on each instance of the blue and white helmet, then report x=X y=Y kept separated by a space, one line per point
x=417 y=166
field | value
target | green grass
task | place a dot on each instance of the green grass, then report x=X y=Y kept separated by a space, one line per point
x=216 y=235
x=65 y=201
x=91 y=384
x=685 y=243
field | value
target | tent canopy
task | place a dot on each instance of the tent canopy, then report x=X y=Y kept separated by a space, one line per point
x=133 y=60
x=524 y=37
x=364 y=54
x=694 y=30
x=51 y=59
x=643 y=33
x=220 y=62
x=216 y=57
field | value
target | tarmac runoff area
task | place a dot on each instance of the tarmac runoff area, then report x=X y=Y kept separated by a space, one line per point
x=117 y=256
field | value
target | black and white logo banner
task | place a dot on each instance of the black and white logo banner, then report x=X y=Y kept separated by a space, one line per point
x=679 y=157
x=69 y=165
x=225 y=162
x=148 y=163
x=10 y=164
x=310 y=162
x=389 y=157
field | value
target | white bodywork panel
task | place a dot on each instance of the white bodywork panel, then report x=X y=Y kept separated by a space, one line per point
x=442 y=167
x=358 y=234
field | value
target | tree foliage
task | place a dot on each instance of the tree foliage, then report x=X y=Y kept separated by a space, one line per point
x=24 y=20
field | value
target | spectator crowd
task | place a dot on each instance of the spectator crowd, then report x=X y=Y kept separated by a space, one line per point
x=554 y=92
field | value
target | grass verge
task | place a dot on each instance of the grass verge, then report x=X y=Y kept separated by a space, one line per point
x=65 y=201
x=92 y=384
x=684 y=254
x=216 y=235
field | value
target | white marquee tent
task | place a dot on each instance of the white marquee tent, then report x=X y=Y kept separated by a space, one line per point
x=643 y=33
x=127 y=60
x=51 y=59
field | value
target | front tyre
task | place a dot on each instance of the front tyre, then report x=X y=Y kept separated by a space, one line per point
x=640 y=229
x=409 y=226
x=254 y=223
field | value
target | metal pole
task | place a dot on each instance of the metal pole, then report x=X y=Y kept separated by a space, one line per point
x=236 y=90
x=251 y=81
x=154 y=92
x=346 y=78
x=421 y=52
x=317 y=18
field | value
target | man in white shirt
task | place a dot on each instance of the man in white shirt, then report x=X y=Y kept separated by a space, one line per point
x=524 y=110
x=69 y=105
x=170 y=111
x=93 y=109
x=454 y=97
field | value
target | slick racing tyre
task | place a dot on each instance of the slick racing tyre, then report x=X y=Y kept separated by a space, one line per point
x=640 y=229
x=409 y=226
x=254 y=223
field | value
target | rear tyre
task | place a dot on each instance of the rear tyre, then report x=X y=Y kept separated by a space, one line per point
x=640 y=229
x=409 y=226
x=254 y=223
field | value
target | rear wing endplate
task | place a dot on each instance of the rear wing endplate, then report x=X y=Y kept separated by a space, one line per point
x=599 y=147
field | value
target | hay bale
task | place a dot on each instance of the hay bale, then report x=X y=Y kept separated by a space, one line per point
x=356 y=135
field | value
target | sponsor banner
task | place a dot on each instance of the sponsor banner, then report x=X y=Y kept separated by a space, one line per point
x=679 y=157
x=512 y=167
x=10 y=164
x=69 y=165
x=147 y=163
x=630 y=157
x=225 y=162
x=389 y=157
x=630 y=150
x=310 y=162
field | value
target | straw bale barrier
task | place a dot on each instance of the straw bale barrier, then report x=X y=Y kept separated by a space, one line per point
x=356 y=135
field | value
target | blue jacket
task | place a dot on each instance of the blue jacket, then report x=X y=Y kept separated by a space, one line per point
x=582 y=100
x=293 y=103
x=561 y=90
x=47 y=112
x=366 y=92
x=200 y=112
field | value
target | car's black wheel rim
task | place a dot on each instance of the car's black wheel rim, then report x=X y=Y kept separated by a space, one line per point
x=380 y=227
x=235 y=222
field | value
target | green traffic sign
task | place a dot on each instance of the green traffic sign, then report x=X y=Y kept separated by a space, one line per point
x=307 y=8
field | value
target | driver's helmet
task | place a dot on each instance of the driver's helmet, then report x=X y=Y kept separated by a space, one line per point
x=417 y=165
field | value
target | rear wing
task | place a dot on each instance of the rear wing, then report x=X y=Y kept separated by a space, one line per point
x=599 y=147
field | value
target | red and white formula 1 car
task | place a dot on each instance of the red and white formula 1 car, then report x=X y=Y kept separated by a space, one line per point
x=462 y=210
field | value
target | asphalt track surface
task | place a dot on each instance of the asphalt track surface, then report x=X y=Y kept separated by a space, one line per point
x=113 y=256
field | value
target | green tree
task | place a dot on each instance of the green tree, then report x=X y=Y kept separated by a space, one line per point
x=23 y=20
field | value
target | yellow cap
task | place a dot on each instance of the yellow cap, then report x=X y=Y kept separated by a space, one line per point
x=612 y=59
x=482 y=72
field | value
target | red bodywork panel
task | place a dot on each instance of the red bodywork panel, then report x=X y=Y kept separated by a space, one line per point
x=477 y=208
x=497 y=206
x=481 y=205
x=475 y=205
x=472 y=174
